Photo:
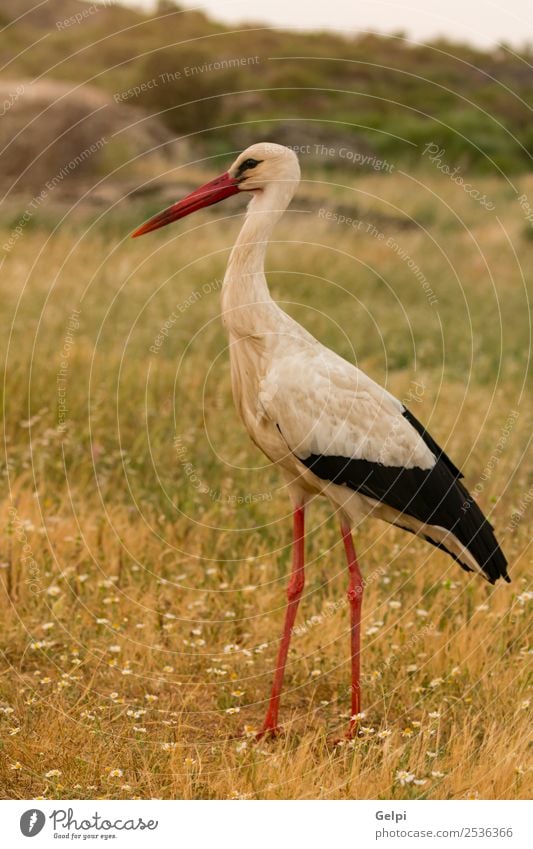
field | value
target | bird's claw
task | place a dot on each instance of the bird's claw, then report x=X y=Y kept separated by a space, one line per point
x=271 y=731
x=352 y=730
x=350 y=734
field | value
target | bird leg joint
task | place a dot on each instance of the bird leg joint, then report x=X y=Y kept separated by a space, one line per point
x=355 y=594
x=295 y=587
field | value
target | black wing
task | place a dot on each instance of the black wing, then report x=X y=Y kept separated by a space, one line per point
x=430 y=442
x=433 y=496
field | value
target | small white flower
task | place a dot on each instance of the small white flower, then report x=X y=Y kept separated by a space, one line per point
x=525 y=596
x=115 y=773
x=403 y=777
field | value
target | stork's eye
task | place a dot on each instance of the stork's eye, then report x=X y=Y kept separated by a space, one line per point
x=247 y=165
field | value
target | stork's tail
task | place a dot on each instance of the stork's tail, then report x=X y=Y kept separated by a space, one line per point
x=476 y=534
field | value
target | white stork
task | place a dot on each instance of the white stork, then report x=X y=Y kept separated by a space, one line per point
x=329 y=427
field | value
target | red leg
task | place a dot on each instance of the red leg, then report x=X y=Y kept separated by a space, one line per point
x=355 y=598
x=294 y=593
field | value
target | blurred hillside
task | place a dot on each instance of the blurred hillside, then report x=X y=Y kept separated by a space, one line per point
x=50 y=133
x=174 y=73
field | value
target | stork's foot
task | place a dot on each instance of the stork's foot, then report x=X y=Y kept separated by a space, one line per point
x=351 y=733
x=347 y=737
x=269 y=731
x=353 y=728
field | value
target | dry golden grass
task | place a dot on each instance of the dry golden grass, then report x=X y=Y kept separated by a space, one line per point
x=145 y=548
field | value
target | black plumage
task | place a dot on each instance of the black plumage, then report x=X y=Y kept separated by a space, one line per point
x=430 y=442
x=433 y=496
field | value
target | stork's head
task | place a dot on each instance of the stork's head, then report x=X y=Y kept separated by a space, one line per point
x=262 y=169
x=263 y=165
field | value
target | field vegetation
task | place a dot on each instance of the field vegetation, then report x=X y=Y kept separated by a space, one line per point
x=145 y=542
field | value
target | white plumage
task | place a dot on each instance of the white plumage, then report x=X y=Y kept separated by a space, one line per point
x=325 y=405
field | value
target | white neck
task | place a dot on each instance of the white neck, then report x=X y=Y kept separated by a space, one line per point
x=246 y=303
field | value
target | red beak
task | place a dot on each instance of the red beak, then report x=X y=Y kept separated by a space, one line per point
x=216 y=190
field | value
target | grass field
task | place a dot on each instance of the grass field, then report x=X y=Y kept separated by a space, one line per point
x=145 y=546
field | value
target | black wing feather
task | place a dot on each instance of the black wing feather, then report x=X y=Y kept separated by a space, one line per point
x=434 y=496
x=430 y=442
